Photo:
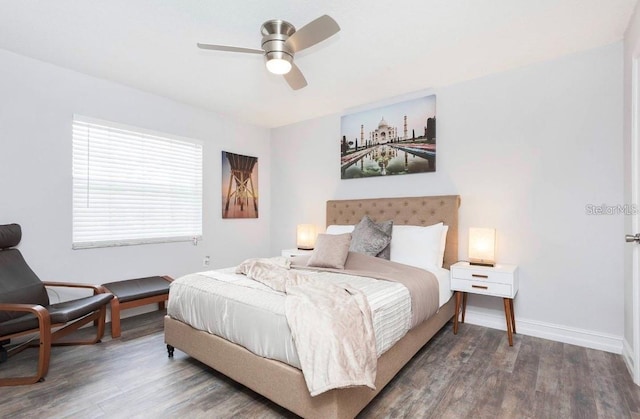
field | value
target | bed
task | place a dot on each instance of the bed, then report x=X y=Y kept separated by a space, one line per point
x=284 y=384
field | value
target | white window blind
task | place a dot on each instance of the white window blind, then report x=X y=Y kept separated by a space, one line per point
x=131 y=186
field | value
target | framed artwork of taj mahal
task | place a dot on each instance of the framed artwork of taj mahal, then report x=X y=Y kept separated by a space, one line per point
x=397 y=139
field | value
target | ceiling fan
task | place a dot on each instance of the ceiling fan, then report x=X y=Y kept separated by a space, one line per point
x=280 y=42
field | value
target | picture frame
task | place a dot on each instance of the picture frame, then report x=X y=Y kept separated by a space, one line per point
x=239 y=186
x=391 y=140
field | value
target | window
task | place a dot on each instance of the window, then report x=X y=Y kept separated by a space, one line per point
x=131 y=186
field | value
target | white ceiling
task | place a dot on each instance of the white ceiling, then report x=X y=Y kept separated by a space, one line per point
x=385 y=48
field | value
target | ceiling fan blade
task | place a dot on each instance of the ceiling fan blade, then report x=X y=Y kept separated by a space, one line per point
x=312 y=33
x=230 y=49
x=295 y=78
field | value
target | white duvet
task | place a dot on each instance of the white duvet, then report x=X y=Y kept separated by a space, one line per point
x=252 y=315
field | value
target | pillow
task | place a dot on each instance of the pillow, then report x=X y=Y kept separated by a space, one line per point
x=417 y=246
x=387 y=227
x=368 y=238
x=331 y=251
x=443 y=245
x=339 y=229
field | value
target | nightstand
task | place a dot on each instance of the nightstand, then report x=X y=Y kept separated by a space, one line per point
x=497 y=281
x=290 y=253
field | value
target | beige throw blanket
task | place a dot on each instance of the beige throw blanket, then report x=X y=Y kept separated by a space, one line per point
x=272 y=272
x=331 y=326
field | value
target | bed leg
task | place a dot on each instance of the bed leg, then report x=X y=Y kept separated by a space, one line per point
x=170 y=350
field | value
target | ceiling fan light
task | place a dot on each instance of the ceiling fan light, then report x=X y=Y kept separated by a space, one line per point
x=278 y=63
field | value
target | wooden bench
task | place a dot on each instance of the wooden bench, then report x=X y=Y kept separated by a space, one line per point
x=135 y=293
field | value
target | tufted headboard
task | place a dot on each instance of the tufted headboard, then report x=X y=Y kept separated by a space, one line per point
x=419 y=211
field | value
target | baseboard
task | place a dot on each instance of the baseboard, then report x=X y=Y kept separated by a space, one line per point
x=555 y=332
x=627 y=355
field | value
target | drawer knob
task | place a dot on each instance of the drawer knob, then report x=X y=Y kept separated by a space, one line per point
x=480 y=276
x=482 y=287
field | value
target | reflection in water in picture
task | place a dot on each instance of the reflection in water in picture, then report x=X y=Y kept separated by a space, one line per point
x=385 y=160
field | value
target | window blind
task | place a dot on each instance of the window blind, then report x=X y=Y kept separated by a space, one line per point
x=131 y=186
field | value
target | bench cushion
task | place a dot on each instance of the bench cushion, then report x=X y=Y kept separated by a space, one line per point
x=136 y=289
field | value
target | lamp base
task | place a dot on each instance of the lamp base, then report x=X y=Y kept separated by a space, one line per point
x=482 y=263
x=305 y=248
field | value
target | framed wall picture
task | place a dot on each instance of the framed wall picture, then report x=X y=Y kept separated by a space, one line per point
x=398 y=139
x=239 y=186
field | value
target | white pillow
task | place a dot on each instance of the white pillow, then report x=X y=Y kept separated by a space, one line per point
x=443 y=245
x=417 y=246
x=340 y=229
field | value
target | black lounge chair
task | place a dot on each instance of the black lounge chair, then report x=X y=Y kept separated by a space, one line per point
x=25 y=308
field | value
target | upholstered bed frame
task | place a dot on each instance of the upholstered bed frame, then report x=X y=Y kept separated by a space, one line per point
x=284 y=384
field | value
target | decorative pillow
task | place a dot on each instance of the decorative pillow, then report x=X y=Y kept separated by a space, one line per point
x=331 y=251
x=417 y=246
x=368 y=238
x=387 y=227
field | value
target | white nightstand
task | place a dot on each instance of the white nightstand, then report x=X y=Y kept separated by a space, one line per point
x=498 y=281
x=290 y=253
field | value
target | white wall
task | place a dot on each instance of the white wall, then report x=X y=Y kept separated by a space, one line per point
x=37 y=102
x=526 y=150
x=631 y=50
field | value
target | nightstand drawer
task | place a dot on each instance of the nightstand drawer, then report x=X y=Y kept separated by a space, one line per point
x=482 y=287
x=292 y=253
x=483 y=275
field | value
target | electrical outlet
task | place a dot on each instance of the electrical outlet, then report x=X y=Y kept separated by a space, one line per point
x=206 y=261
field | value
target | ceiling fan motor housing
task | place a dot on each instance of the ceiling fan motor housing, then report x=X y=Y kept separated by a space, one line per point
x=274 y=37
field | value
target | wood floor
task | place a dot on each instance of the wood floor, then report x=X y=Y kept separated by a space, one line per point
x=474 y=374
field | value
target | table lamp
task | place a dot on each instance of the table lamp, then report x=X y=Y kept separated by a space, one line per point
x=482 y=246
x=306 y=236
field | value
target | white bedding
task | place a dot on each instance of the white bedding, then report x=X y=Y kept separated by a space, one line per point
x=444 y=284
x=252 y=315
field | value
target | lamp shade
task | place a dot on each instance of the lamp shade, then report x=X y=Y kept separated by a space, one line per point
x=306 y=236
x=482 y=246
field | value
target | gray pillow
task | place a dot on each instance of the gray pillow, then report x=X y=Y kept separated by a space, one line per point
x=386 y=227
x=331 y=251
x=370 y=239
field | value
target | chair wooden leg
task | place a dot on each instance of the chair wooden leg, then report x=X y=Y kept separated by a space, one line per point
x=115 y=318
x=44 y=352
x=20 y=381
x=102 y=319
x=97 y=317
x=44 y=355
